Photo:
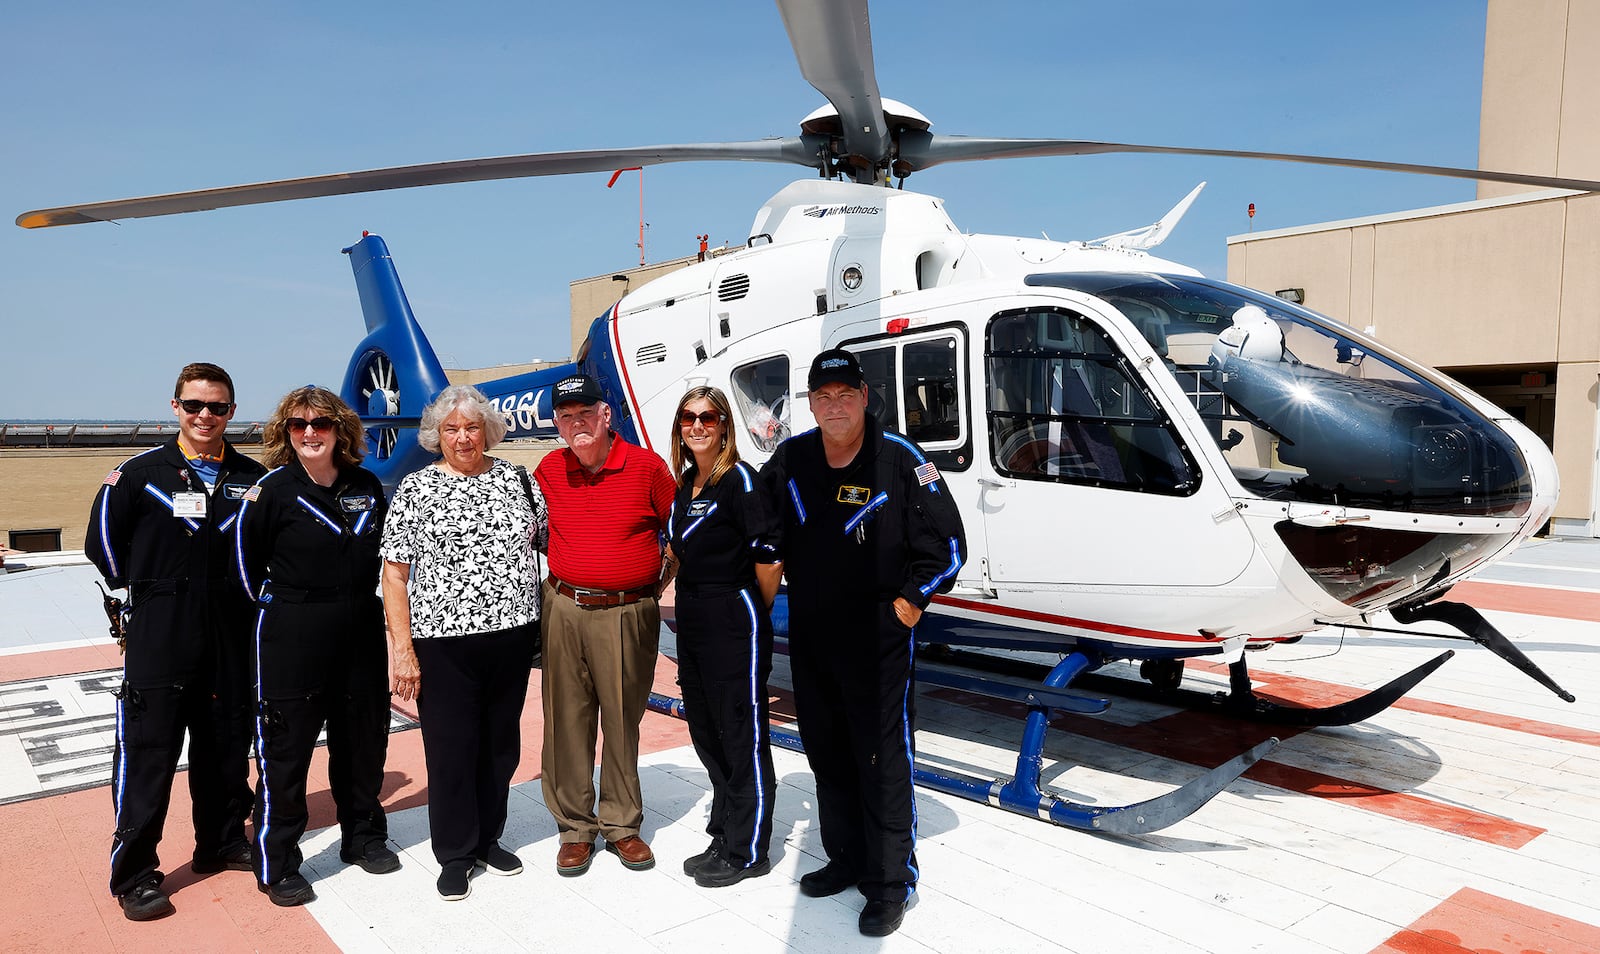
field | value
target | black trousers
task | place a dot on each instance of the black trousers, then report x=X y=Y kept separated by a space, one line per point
x=724 y=659
x=355 y=707
x=472 y=692
x=852 y=695
x=151 y=723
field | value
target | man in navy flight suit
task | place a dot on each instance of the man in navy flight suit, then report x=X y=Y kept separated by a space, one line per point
x=870 y=533
x=160 y=526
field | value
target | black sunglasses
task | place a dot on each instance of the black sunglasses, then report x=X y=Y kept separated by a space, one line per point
x=219 y=408
x=298 y=424
x=708 y=418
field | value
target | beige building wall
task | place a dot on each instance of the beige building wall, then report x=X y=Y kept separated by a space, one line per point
x=592 y=296
x=1541 y=91
x=480 y=375
x=1508 y=283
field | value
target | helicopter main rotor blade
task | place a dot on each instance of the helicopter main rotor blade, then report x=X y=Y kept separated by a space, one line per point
x=925 y=150
x=799 y=150
x=832 y=41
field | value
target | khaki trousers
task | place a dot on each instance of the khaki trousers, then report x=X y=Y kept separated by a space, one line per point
x=599 y=665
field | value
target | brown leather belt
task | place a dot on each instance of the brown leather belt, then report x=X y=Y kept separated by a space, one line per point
x=601 y=599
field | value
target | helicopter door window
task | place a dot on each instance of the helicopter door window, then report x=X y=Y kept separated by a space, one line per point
x=878 y=366
x=1067 y=406
x=932 y=397
x=761 y=392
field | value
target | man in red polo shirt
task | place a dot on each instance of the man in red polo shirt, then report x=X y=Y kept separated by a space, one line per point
x=609 y=502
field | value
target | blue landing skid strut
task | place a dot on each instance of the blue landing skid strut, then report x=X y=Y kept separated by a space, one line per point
x=1021 y=793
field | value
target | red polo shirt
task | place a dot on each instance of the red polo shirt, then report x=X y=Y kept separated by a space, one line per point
x=605 y=527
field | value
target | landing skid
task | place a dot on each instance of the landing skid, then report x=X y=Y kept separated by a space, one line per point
x=1239 y=701
x=1021 y=793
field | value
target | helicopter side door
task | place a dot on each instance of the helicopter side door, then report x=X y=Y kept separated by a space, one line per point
x=919 y=383
x=1079 y=441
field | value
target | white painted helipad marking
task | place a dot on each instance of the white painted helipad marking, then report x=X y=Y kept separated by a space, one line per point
x=57 y=733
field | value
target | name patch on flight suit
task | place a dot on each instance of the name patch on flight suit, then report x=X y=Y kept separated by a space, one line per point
x=854 y=495
x=356 y=504
x=698 y=508
x=234 y=491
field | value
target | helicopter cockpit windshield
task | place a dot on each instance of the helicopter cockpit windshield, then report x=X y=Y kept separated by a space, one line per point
x=1305 y=412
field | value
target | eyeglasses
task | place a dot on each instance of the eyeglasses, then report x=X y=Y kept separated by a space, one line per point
x=707 y=418
x=219 y=408
x=298 y=424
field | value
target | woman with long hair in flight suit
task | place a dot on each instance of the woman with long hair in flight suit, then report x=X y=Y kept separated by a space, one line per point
x=307 y=549
x=727 y=576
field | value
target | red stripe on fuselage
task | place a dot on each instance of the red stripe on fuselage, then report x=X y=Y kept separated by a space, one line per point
x=627 y=383
x=1011 y=612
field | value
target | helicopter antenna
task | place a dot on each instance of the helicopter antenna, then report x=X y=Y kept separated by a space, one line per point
x=614 y=177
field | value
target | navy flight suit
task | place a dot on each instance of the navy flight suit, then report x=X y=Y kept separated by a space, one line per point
x=188 y=661
x=725 y=652
x=309 y=554
x=853 y=539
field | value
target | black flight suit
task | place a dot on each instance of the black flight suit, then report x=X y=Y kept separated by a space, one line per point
x=188 y=657
x=725 y=652
x=853 y=539
x=310 y=554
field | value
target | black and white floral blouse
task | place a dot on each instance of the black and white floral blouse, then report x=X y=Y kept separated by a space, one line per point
x=470 y=542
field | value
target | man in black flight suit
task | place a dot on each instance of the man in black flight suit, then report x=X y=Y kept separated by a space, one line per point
x=870 y=534
x=160 y=526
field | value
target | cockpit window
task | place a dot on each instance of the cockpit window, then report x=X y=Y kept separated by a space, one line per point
x=1303 y=411
x=1066 y=406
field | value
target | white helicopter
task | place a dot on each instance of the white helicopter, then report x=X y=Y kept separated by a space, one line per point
x=1087 y=402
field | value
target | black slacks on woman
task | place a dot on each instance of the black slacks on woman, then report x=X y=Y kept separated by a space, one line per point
x=470 y=703
x=323 y=662
x=724 y=658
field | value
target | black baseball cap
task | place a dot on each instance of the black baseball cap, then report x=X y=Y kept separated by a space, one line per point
x=835 y=365
x=578 y=387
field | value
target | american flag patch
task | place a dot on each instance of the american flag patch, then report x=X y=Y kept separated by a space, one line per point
x=926 y=474
x=252 y=493
x=113 y=477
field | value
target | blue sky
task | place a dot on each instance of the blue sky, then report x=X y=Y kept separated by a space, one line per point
x=106 y=101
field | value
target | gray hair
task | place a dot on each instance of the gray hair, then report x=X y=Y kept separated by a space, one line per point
x=469 y=401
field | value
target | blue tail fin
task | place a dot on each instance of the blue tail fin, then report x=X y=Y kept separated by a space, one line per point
x=394 y=372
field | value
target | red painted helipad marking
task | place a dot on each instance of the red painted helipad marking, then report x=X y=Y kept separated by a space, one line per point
x=1300 y=691
x=1533 y=600
x=1472 y=921
x=57 y=846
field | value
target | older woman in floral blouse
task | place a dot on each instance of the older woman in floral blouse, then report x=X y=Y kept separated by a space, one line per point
x=461 y=593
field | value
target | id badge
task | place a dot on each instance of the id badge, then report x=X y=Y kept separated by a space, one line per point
x=189 y=503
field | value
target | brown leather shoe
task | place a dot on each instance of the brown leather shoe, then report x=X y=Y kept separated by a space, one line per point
x=574 y=857
x=633 y=852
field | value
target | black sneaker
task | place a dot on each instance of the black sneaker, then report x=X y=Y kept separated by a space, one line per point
x=693 y=863
x=827 y=881
x=146 y=902
x=455 y=881
x=500 y=861
x=234 y=859
x=719 y=873
x=376 y=858
x=882 y=918
x=290 y=892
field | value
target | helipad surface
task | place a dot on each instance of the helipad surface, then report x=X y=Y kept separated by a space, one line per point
x=1462 y=819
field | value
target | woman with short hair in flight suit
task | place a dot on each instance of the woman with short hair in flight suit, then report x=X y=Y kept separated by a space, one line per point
x=307 y=550
x=727 y=576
